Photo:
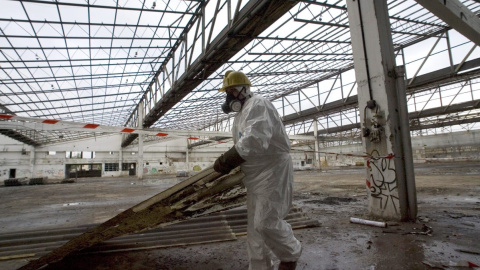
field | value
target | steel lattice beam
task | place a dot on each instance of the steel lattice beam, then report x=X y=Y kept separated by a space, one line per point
x=456 y=15
x=255 y=17
x=419 y=85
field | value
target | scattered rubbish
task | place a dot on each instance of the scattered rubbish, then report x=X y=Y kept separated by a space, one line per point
x=443 y=265
x=71 y=204
x=423 y=219
x=458 y=215
x=468 y=251
x=332 y=200
x=368 y=222
x=68 y=181
x=182 y=173
x=16 y=257
x=432 y=265
x=425 y=230
x=38 y=181
x=15 y=182
x=470 y=224
x=391 y=231
x=462 y=264
x=369 y=244
x=206 y=192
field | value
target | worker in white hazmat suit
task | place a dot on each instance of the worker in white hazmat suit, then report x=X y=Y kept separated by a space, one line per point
x=262 y=150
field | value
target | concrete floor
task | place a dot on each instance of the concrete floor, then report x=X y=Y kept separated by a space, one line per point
x=448 y=201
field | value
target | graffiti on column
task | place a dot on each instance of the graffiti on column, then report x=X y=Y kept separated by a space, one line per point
x=382 y=180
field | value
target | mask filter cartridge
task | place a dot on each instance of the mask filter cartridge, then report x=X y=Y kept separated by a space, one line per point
x=231 y=104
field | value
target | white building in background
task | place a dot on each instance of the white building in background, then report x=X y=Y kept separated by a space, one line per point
x=103 y=157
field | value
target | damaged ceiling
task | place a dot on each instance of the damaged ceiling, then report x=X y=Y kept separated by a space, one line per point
x=99 y=61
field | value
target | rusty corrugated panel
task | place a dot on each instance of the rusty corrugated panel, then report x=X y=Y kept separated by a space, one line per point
x=206 y=192
x=222 y=226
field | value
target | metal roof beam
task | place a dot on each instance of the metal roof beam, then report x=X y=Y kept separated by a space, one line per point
x=80 y=65
x=461 y=107
x=457 y=15
x=18 y=137
x=84 y=48
x=78 y=60
x=254 y=18
x=75 y=77
x=351 y=102
x=91 y=23
x=106 y=7
x=446 y=123
x=75 y=98
x=15 y=134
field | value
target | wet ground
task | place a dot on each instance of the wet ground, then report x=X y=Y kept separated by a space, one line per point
x=446 y=234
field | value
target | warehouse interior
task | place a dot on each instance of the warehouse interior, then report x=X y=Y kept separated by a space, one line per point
x=104 y=104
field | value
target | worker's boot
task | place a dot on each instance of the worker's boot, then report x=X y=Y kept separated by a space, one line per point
x=287 y=266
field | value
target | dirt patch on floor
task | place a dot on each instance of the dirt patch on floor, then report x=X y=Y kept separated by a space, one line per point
x=332 y=201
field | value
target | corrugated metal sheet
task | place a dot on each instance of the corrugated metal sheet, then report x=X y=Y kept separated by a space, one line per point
x=222 y=226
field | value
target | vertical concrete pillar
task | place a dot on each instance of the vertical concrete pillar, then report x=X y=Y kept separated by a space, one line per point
x=32 y=162
x=386 y=138
x=187 y=169
x=317 y=154
x=120 y=159
x=141 y=115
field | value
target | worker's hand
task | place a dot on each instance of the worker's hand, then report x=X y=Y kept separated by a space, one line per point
x=220 y=165
x=228 y=161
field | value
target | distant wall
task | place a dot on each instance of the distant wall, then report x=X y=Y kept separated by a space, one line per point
x=51 y=161
x=171 y=156
x=458 y=146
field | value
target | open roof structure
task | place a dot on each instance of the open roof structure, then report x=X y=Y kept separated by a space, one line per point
x=103 y=61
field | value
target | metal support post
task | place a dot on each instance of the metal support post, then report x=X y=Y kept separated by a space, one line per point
x=317 y=154
x=187 y=169
x=120 y=159
x=32 y=162
x=383 y=113
x=141 y=115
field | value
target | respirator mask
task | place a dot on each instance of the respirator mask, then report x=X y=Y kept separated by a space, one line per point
x=235 y=103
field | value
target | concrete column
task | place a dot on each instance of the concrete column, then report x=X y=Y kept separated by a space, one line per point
x=32 y=162
x=120 y=159
x=187 y=169
x=317 y=154
x=383 y=113
x=141 y=115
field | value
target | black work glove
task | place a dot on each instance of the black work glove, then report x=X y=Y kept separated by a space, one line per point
x=228 y=161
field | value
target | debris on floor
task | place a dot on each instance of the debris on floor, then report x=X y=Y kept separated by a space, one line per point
x=368 y=222
x=425 y=230
x=468 y=251
x=203 y=193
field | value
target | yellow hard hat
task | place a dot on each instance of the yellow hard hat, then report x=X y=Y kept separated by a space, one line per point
x=234 y=78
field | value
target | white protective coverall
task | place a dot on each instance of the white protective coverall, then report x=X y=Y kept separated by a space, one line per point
x=261 y=140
